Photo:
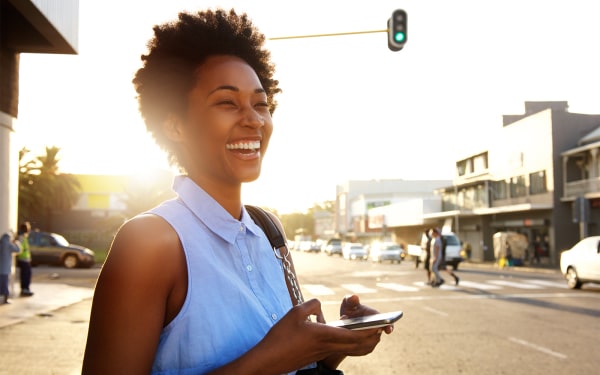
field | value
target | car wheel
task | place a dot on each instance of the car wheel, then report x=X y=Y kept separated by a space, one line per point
x=70 y=261
x=573 y=281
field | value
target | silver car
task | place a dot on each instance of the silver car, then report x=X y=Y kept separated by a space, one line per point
x=381 y=251
x=354 y=250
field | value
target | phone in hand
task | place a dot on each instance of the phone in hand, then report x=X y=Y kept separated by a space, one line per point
x=368 y=321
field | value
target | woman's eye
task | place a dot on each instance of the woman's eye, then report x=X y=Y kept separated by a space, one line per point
x=226 y=102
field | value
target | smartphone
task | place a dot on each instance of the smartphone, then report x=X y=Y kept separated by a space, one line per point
x=369 y=321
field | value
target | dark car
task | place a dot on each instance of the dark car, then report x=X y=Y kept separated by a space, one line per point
x=53 y=249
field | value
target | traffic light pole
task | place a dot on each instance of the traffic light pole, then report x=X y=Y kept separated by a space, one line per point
x=396 y=31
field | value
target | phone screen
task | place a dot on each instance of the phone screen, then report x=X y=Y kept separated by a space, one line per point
x=369 y=321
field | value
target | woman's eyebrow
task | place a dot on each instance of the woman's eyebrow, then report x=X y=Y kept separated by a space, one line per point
x=259 y=90
x=224 y=87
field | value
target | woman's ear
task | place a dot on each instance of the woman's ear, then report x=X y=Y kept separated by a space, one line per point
x=172 y=128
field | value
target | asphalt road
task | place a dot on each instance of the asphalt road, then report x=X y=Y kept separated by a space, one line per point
x=511 y=321
x=515 y=321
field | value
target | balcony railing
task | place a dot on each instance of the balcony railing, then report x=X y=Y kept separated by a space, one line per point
x=582 y=187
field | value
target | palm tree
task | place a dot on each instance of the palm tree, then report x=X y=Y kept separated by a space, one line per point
x=45 y=191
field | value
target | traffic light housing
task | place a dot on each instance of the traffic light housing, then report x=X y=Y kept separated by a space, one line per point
x=397 y=31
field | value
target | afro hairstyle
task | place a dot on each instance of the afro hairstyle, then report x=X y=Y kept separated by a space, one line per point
x=175 y=52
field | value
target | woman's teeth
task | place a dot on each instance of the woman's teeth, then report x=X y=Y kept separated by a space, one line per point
x=254 y=145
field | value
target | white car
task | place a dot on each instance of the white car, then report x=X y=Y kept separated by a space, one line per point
x=381 y=251
x=581 y=263
x=354 y=250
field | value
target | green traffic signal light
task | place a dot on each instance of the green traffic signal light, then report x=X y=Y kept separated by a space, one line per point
x=399 y=37
x=397 y=30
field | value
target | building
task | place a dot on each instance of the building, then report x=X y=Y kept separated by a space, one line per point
x=367 y=210
x=26 y=26
x=526 y=181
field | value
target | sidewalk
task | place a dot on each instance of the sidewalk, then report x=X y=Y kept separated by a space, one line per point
x=45 y=333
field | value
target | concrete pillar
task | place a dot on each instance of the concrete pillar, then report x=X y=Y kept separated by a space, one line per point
x=9 y=179
x=9 y=174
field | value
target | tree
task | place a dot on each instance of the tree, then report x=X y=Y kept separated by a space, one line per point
x=43 y=190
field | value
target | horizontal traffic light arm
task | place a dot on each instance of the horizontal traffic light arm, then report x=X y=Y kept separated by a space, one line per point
x=332 y=34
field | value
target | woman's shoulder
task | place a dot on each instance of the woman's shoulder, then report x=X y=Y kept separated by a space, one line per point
x=146 y=240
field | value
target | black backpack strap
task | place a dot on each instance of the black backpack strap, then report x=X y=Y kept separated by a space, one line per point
x=264 y=221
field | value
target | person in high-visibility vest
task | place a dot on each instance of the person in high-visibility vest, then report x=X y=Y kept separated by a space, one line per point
x=24 y=259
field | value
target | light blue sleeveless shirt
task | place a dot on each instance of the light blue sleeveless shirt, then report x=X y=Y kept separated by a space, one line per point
x=236 y=286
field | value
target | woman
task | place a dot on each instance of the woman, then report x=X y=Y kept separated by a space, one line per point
x=193 y=286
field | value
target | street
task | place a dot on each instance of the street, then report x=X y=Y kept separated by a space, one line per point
x=494 y=322
x=515 y=321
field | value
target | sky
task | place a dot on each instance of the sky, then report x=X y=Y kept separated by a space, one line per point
x=351 y=109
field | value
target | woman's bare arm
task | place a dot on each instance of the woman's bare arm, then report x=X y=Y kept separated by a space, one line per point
x=141 y=287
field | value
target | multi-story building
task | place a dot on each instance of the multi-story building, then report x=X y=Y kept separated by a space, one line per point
x=539 y=169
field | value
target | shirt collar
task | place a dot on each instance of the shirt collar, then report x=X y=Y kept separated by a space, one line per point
x=210 y=212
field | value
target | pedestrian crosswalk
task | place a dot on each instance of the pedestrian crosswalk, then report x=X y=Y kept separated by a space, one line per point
x=487 y=285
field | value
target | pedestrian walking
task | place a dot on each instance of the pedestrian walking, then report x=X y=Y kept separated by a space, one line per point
x=443 y=266
x=436 y=257
x=425 y=247
x=24 y=259
x=9 y=246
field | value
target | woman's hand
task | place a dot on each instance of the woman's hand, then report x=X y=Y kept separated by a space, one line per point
x=352 y=308
x=295 y=342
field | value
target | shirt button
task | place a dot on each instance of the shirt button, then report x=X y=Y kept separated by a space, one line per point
x=242 y=228
x=249 y=268
x=274 y=316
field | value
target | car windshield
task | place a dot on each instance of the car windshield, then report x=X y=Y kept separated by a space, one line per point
x=391 y=247
x=451 y=240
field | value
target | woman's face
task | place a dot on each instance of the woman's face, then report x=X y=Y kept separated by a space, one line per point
x=228 y=125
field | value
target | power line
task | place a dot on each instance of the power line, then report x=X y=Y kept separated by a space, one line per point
x=333 y=34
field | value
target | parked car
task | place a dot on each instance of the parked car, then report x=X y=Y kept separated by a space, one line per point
x=54 y=249
x=309 y=246
x=333 y=246
x=391 y=251
x=581 y=263
x=354 y=250
x=453 y=250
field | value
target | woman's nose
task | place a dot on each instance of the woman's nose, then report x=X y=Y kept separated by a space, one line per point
x=253 y=119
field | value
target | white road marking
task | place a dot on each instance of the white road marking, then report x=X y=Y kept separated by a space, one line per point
x=397 y=287
x=461 y=296
x=471 y=284
x=358 y=288
x=438 y=312
x=552 y=284
x=538 y=348
x=318 y=290
x=514 y=284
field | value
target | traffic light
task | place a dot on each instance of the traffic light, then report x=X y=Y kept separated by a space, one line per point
x=397 y=31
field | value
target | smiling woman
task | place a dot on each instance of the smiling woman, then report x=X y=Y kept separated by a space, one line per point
x=206 y=91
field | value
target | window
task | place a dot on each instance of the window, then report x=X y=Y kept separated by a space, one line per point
x=499 y=190
x=518 y=187
x=480 y=163
x=537 y=183
x=461 y=167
